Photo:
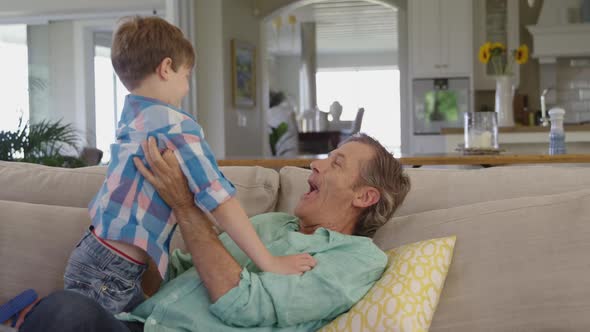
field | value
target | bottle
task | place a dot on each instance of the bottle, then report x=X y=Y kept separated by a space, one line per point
x=557 y=134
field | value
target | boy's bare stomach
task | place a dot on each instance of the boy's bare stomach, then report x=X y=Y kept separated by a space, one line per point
x=135 y=253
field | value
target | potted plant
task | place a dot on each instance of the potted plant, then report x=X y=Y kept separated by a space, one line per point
x=40 y=143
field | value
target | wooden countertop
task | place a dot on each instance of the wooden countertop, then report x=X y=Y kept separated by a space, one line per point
x=520 y=129
x=421 y=160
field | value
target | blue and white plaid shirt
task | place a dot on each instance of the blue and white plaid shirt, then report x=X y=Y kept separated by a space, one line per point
x=127 y=208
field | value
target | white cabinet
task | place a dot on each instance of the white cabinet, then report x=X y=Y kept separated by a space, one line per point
x=441 y=38
x=494 y=21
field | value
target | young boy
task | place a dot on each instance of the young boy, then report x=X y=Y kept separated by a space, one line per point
x=130 y=222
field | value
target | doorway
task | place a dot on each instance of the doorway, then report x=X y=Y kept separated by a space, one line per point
x=359 y=63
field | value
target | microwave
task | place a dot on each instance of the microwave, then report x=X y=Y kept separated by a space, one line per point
x=439 y=103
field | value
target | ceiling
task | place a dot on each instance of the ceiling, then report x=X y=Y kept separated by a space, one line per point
x=342 y=27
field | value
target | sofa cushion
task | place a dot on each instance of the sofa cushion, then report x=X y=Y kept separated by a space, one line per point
x=519 y=264
x=293 y=185
x=257 y=187
x=443 y=188
x=405 y=297
x=35 y=243
x=32 y=183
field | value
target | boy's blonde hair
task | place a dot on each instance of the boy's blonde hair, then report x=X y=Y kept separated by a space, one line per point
x=141 y=43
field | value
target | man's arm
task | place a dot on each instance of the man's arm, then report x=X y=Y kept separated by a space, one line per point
x=345 y=271
x=217 y=268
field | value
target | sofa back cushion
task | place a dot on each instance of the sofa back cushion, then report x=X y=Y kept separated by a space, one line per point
x=35 y=243
x=519 y=264
x=22 y=182
x=293 y=185
x=32 y=183
x=443 y=188
x=439 y=189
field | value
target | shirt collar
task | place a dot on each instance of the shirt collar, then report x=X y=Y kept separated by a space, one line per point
x=131 y=97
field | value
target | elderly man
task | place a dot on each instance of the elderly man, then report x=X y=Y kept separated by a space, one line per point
x=217 y=288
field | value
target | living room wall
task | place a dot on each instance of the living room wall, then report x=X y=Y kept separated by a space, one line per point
x=245 y=129
x=229 y=131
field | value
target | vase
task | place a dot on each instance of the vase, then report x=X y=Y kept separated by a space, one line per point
x=504 y=101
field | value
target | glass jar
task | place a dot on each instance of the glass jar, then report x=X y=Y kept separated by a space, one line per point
x=481 y=130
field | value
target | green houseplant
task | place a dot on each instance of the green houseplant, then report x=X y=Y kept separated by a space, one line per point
x=40 y=143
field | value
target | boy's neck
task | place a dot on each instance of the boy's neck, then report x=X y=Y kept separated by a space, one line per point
x=154 y=93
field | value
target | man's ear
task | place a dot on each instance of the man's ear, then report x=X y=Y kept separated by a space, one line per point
x=366 y=196
x=164 y=69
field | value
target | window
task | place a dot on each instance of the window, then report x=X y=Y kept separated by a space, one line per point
x=14 y=81
x=109 y=97
x=376 y=90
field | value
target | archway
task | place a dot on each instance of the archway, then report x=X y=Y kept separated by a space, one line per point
x=283 y=8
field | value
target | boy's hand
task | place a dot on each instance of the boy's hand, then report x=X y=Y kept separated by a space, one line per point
x=166 y=176
x=292 y=264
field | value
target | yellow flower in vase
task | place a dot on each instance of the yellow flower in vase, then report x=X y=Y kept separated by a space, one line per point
x=498 y=47
x=501 y=60
x=521 y=54
x=485 y=53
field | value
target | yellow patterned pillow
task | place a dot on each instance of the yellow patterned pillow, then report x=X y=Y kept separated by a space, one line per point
x=405 y=297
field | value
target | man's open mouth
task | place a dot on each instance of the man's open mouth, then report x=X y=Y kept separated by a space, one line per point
x=313 y=189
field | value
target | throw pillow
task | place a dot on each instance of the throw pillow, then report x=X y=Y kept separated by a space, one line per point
x=405 y=297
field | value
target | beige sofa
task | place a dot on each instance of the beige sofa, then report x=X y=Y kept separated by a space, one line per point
x=521 y=261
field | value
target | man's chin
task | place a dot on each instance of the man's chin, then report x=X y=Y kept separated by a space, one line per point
x=299 y=209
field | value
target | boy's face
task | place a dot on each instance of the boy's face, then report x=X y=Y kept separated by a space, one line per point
x=179 y=84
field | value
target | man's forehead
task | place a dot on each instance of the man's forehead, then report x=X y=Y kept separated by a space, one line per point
x=354 y=150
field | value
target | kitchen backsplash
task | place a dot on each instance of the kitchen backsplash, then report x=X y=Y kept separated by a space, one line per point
x=573 y=88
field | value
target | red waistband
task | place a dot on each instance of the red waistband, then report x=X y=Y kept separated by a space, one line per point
x=119 y=252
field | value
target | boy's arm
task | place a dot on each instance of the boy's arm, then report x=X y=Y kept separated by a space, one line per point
x=233 y=219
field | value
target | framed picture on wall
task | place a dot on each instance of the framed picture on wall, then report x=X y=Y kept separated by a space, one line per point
x=243 y=60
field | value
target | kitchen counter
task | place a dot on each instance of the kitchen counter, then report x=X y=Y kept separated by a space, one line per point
x=521 y=129
x=526 y=140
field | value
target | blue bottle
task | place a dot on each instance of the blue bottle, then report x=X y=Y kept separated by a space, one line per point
x=557 y=134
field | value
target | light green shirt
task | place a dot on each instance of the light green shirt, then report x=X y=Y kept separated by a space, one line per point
x=347 y=267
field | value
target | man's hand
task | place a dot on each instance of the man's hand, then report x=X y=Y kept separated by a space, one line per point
x=167 y=177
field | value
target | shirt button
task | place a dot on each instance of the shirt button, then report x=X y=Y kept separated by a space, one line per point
x=152 y=321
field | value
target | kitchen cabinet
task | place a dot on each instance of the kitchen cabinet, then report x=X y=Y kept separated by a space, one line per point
x=494 y=21
x=441 y=38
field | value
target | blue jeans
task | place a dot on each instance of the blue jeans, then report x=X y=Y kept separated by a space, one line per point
x=68 y=311
x=102 y=275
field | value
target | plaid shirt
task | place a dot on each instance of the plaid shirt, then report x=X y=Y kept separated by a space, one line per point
x=127 y=208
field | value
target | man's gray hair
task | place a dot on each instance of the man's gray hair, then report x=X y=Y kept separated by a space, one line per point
x=384 y=173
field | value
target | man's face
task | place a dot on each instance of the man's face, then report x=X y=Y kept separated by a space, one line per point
x=332 y=186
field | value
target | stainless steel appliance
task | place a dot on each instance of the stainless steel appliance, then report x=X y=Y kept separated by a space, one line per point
x=439 y=103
